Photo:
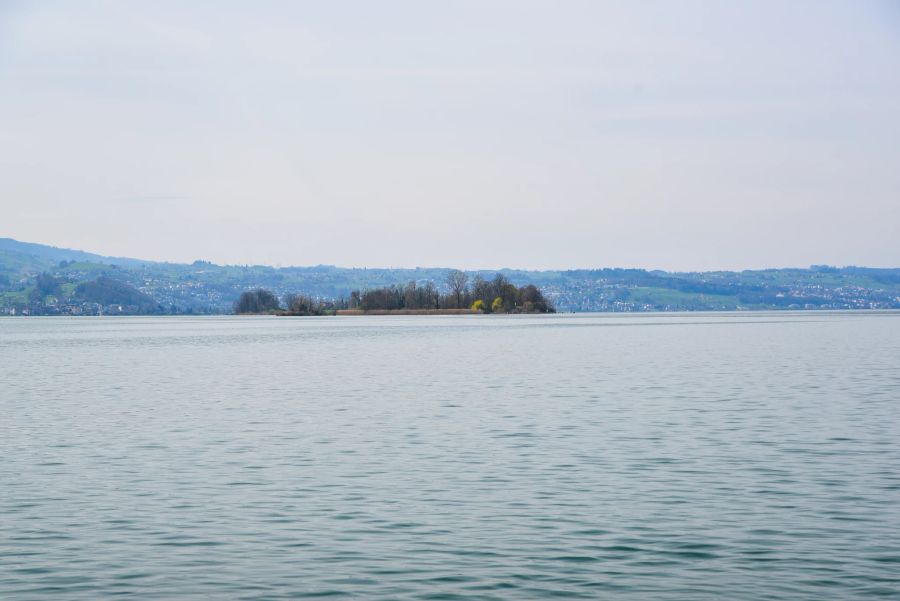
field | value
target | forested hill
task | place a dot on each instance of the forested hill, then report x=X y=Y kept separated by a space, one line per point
x=40 y=279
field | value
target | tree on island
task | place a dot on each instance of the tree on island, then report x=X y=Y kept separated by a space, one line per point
x=498 y=295
x=304 y=305
x=257 y=301
x=457 y=281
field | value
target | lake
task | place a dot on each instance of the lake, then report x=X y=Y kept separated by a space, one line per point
x=661 y=456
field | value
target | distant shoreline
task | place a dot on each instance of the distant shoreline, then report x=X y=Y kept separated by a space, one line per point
x=361 y=312
x=42 y=280
x=408 y=312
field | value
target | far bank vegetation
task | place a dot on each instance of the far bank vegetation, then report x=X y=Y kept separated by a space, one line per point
x=264 y=302
x=463 y=295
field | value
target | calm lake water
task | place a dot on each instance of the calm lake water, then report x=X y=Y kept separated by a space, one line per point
x=702 y=456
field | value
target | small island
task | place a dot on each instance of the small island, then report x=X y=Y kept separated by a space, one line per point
x=497 y=295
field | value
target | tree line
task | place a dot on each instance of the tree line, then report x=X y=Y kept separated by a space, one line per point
x=497 y=295
x=264 y=301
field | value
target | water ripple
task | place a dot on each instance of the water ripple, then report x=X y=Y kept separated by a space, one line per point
x=733 y=456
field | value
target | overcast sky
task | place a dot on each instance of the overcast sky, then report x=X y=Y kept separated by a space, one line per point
x=675 y=135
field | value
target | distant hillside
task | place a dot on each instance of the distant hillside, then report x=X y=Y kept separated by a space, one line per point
x=107 y=291
x=18 y=257
x=43 y=279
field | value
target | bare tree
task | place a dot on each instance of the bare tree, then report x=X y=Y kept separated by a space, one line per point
x=256 y=301
x=457 y=281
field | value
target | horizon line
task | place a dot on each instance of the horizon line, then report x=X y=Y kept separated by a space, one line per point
x=420 y=267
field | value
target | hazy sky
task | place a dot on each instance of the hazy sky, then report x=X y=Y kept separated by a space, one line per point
x=675 y=135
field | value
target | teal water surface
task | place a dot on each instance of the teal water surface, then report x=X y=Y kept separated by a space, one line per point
x=702 y=456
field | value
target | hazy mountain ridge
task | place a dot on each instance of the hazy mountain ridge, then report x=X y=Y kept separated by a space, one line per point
x=203 y=287
x=47 y=256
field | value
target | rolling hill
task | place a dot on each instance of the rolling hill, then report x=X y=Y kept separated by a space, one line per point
x=203 y=287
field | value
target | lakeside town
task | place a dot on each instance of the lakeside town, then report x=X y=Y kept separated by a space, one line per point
x=43 y=280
